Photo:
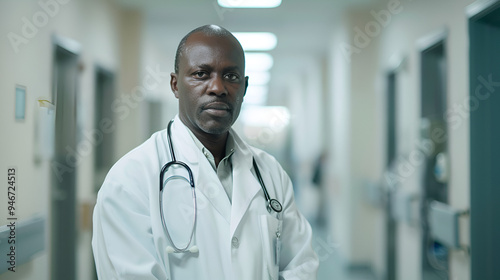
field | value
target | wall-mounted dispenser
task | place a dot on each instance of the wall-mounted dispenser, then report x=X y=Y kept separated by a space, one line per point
x=44 y=130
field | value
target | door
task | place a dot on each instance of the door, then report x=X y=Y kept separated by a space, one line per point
x=484 y=34
x=433 y=111
x=64 y=164
x=104 y=126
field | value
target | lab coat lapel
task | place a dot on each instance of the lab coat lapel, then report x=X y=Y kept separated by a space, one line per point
x=206 y=181
x=184 y=147
x=209 y=184
x=245 y=185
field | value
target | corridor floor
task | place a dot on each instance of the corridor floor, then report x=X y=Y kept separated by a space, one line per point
x=331 y=266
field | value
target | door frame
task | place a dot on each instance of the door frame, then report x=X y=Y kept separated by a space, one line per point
x=63 y=229
x=427 y=44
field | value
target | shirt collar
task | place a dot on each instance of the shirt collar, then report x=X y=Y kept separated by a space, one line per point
x=230 y=146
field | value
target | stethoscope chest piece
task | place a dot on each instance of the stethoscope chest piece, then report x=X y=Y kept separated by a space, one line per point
x=275 y=205
x=272 y=204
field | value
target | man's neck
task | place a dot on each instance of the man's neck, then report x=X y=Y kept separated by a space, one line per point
x=215 y=143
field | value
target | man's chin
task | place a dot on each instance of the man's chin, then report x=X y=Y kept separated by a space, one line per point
x=215 y=128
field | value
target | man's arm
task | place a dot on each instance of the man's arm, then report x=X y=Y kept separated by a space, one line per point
x=298 y=259
x=122 y=237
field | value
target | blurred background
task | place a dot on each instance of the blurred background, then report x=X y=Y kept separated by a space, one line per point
x=384 y=113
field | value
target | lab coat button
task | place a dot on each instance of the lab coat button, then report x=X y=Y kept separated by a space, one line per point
x=235 y=242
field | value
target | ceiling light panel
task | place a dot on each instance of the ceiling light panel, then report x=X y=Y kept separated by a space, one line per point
x=249 y=3
x=258 y=62
x=275 y=117
x=256 y=41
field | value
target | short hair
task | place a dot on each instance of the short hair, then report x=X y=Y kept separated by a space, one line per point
x=210 y=30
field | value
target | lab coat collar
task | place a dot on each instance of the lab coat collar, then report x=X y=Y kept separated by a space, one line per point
x=181 y=134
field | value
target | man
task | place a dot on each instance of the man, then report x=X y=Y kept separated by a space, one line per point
x=236 y=235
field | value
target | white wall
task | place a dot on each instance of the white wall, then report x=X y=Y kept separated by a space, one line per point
x=338 y=177
x=96 y=25
x=355 y=131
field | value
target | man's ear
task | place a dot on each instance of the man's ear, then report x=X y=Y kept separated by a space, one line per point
x=173 y=84
x=246 y=85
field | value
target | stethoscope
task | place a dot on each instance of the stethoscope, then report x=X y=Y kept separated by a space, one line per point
x=272 y=204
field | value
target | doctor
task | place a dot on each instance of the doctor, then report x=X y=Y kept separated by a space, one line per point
x=235 y=235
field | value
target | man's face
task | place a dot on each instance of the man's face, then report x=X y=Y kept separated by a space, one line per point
x=210 y=84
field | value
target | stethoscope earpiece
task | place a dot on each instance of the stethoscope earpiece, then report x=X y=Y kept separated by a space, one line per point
x=170 y=249
x=193 y=249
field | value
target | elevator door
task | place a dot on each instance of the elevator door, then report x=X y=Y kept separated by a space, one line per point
x=484 y=34
x=63 y=209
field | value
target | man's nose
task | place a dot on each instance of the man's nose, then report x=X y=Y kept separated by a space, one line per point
x=216 y=86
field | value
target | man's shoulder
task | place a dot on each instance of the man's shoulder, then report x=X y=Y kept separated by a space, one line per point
x=139 y=163
x=146 y=151
x=262 y=157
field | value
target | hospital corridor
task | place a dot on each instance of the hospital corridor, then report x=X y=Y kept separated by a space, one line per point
x=385 y=114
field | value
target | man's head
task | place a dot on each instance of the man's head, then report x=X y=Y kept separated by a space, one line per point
x=209 y=79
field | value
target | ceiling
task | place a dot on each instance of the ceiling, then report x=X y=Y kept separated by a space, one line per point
x=302 y=27
x=298 y=24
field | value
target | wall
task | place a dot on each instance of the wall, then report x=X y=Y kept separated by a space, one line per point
x=156 y=55
x=131 y=85
x=339 y=119
x=304 y=89
x=100 y=28
x=355 y=133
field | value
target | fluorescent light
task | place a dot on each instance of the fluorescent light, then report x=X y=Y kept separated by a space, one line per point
x=275 y=117
x=249 y=3
x=256 y=95
x=258 y=78
x=258 y=62
x=256 y=41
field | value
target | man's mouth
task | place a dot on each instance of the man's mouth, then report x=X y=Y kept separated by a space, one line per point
x=218 y=109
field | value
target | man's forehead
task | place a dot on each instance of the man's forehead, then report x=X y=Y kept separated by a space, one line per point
x=200 y=38
x=201 y=47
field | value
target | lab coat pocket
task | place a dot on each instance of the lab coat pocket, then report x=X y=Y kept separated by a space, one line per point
x=271 y=244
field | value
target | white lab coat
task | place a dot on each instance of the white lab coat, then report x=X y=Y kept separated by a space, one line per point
x=235 y=240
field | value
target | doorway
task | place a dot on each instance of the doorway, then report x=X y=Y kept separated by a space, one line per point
x=391 y=159
x=484 y=58
x=433 y=110
x=64 y=164
x=103 y=116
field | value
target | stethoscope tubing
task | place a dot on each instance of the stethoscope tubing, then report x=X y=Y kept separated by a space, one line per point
x=271 y=203
x=191 y=183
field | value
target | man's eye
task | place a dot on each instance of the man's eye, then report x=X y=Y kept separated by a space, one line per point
x=200 y=74
x=231 y=77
